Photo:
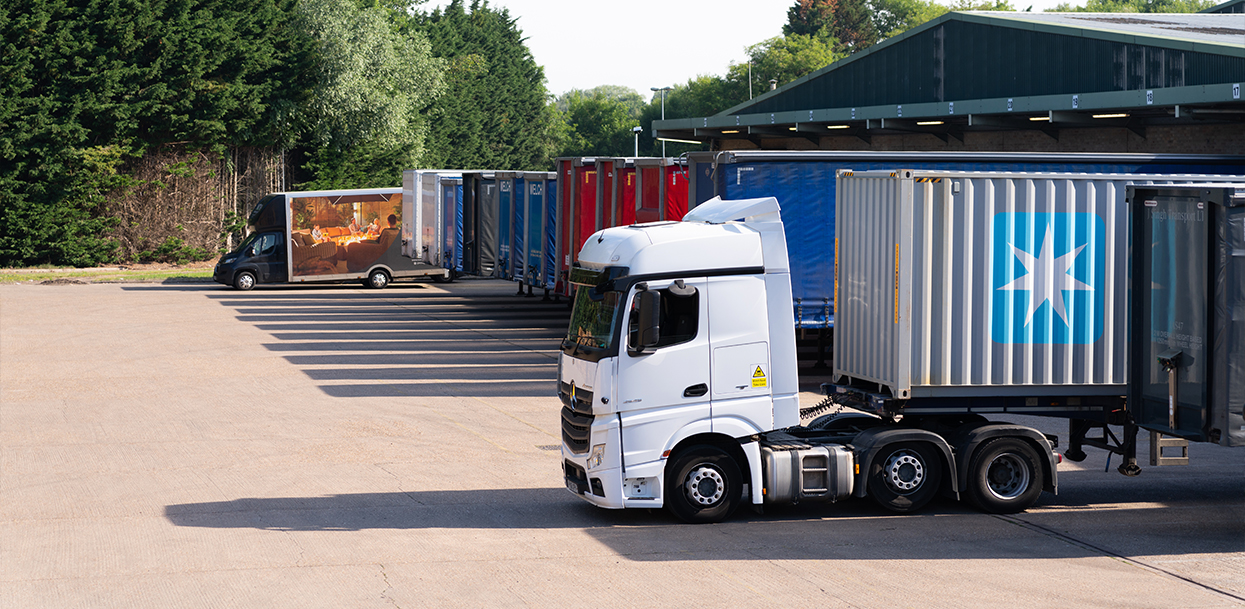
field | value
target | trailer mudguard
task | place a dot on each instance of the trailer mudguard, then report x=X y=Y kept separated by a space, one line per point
x=969 y=438
x=871 y=441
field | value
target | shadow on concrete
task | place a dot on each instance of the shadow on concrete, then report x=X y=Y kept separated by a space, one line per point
x=471 y=339
x=855 y=529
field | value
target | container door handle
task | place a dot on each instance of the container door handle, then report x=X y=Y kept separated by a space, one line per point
x=696 y=391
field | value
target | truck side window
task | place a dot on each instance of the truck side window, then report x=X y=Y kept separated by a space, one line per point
x=680 y=316
x=267 y=245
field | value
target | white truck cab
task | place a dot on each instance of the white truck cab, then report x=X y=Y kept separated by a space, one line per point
x=681 y=336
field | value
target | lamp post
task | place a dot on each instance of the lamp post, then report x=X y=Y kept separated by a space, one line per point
x=663 y=112
x=636 y=130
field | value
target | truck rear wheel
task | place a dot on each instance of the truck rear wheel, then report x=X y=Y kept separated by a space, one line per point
x=377 y=279
x=905 y=476
x=1005 y=477
x=244 y=281
x=704 y=485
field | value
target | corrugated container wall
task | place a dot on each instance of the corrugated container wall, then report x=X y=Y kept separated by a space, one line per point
x=960 y=283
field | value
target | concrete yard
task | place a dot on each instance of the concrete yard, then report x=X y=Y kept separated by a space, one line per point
x=188 y=445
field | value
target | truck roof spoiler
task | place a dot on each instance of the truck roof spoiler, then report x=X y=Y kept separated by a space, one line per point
x=718 y=211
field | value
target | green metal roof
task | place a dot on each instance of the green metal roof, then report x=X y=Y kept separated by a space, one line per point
x=1000 y=63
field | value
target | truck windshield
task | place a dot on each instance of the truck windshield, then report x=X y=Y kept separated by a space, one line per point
x=596 y=313
x=592 y=322
x=245 y=244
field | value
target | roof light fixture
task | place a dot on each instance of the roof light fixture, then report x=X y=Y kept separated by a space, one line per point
x=926 y=123
x=1039 y=118
x=838 y=126
x=1116 y=115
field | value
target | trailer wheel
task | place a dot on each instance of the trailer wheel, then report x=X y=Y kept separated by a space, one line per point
x=377 y=279
x=905 y=476
x=704 y=485
x=1005 y=477
x=244 y=281
x=448 y=277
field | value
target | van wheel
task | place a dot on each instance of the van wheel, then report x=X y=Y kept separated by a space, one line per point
x=377 y=280
x=448 y=277
x=244 y=281
x=704 y=485
x=1005 y=477
x=905 y=476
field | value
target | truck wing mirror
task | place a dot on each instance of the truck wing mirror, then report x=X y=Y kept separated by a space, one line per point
x=649 y=305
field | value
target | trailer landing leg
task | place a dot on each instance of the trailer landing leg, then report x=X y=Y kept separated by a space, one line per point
x=1078 y=437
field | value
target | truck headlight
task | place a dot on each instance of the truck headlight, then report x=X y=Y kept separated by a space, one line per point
x=229 y=260
x=598 y=454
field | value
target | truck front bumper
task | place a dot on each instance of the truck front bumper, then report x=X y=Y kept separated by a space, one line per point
x=601 y=487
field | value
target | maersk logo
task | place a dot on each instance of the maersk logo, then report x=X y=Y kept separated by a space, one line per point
x=1048 y=277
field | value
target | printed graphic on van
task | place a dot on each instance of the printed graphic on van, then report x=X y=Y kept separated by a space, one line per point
x=1047 y=271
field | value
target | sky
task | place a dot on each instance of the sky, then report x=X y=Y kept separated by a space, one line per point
x=643 y=44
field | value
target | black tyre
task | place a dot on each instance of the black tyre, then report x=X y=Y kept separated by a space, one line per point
x=905 y=476
x=703 y=485
x=377 y=279
x=449 y=277
x=844 y=421
x=1005 y=477
x=244 y=281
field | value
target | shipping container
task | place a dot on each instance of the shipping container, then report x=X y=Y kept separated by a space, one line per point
x=450 y=209
x=961 y=284
x=804 y=184
x=422 y=189
x=1188 y=349
x=537 y=225
x=480 y=223
x=577 y=216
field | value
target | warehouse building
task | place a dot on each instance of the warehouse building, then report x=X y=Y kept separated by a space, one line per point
x=1012 y=81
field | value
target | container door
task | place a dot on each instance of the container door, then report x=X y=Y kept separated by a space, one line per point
x=585 y=209
x=650 y=195
x=535 y=213
x=504 y=221
x=518 y=245
x=676 y=193
x=486 y=235
x=551 y=232
x=1170 y=289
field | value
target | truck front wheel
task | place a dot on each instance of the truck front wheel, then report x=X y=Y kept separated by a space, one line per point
x=1005 y=477
x=905 y=476
x=704 y=485
x=244 y=281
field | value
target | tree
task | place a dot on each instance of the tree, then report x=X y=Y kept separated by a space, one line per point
x=849 y=22
x=1137 y=6
x=87 y=86
x=786 y=58
x=597 y=124
x=894 y=17
x=363 y=120
x=495 y=112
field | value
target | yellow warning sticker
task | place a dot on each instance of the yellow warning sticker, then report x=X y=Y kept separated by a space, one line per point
x=758 y=378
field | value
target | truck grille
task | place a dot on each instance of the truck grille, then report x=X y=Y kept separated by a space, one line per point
x=576 y=417
x=575 y=429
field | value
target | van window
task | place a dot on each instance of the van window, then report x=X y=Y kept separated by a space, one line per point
x=266 y=244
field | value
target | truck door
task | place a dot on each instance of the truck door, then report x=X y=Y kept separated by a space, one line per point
x=664 y=387
x=269 y=258
x=1171 y=291
x=739 y=341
